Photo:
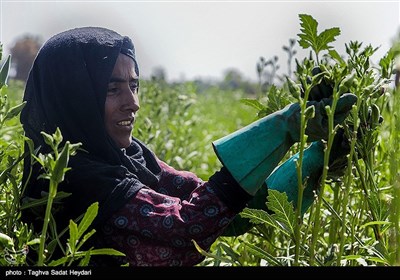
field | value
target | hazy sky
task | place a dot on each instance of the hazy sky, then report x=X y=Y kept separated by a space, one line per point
x=204 y=38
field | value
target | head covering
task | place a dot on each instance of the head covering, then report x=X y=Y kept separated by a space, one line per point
x=67 y=88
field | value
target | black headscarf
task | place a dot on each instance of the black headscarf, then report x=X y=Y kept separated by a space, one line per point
x=67 y=88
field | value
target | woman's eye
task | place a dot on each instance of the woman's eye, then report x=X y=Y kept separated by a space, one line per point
x=112 y=90
x=134 y=86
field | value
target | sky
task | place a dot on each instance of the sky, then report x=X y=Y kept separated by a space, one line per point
x=203 y=39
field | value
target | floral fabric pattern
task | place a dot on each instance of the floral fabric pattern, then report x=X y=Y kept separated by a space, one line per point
x=157 y=226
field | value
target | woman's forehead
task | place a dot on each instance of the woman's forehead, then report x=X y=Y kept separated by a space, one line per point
x=125 y=67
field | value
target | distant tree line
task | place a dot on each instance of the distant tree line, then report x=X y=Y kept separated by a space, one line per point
x=23 y=54
x=25 y=49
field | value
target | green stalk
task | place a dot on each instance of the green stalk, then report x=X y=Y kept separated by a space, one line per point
x=56 y=169
x=395 y=181
x=332 y=132
x=395 y=218
x=348 y=180
x=52 y=194
x=366 y=194
x=300 y=184
x=334 y=223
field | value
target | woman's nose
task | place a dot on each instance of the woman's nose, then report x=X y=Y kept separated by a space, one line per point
x=131 y=101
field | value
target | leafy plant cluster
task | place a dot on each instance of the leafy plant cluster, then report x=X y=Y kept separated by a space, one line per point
x=354 y=219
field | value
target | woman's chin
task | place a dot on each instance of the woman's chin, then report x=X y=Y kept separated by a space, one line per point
x=123 y=144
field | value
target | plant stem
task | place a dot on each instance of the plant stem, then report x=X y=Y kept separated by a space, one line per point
x=52 y=194
x=348 y=180
x=366 y=194
x=395 y=180
x=300 y=183
x=331 y=134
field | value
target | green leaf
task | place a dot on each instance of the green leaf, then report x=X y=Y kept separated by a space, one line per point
x=309 y=113
x=85 y=238
x=48 y=139
x=61 y=164
x=309 y=38
x=375 y=223
x=282 y=208
x=258 y=216
x=379 y=260
x=294 y=88
x=33 y=241
x=14 y=111
x=335 y=55
x=103 y=251
x=43 y=200
x=58 y=136
x=88 y=218
x=257 y=251
x=73 y=235
x=5 y=240
x=229 y=251
x=205 y=253
x=59 y=262
x=85 y=260
x=5 y=174
x=326 y=37
x=252 y=103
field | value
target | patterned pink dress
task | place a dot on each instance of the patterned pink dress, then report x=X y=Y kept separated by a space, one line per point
x=157 y=226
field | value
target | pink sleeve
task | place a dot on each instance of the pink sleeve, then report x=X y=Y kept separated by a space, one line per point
x=156 y=229
x=177 y=183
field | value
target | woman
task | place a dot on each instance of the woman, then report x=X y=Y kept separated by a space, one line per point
x=85 y=81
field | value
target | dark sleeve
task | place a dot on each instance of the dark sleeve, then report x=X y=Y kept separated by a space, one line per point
x=229 y=190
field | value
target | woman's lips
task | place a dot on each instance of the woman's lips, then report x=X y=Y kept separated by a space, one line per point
x=125 y=123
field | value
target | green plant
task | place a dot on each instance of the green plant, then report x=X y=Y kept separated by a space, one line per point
x=352 y=221
x=14 y=235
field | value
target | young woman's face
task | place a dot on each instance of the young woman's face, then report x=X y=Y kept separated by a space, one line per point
x=122 y=101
